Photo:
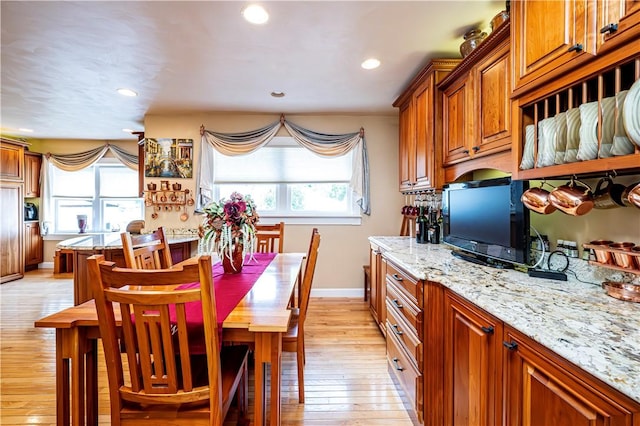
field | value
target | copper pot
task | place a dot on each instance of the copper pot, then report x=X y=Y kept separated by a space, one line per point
x=574 y=198
x=623 y=260
x=633 y=194
x=537 y=200
x=604 y=255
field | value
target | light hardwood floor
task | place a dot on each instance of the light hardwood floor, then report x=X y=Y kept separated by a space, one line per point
x=346 y=379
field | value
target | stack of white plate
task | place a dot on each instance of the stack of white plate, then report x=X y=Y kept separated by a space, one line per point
x=631 y=113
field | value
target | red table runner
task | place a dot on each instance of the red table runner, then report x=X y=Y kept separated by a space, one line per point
x=229 y=290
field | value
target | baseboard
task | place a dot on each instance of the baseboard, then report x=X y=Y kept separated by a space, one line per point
x=337 y=292
x=45 y=265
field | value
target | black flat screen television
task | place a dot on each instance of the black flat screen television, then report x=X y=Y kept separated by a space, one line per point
x=486 y=219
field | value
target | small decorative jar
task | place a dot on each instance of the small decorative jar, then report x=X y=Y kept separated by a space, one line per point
x=471 y=40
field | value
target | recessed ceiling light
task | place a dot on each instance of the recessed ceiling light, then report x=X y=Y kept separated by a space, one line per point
x=370 y=64
x=277 y=94
x=22 y=129
x=255 y=14
x=127 y=92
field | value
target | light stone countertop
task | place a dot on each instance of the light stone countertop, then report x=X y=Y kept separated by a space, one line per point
x=111 y=241
x=576 y=320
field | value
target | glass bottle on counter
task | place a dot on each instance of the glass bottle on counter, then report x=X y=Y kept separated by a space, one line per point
x=421 y=226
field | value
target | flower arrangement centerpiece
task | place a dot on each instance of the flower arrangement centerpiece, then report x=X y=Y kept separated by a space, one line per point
x=228 y=229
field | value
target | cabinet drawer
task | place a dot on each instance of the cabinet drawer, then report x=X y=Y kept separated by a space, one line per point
x=405 y=283
x=404 y=372
x=404 y=307
x=405 y=333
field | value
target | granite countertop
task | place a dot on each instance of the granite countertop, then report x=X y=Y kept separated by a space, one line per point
x=111 y=241
x=576 y=320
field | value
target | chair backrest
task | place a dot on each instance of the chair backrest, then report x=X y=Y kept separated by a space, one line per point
x=146 y=251
x=408 y=226
x=154 y=330
x=267 y=236
x=307 y=278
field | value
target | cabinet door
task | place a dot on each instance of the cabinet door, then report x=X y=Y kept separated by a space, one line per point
x=32 y=163
x=32 y=245
x=541 y=390
x=456 y=122
x=551 y=36
x=11 y=162
x=375 y=296
x=472 y=365
x=617 y=19
x=407 y=146
x=11 y=244
x=492 y=87
x=425 y=135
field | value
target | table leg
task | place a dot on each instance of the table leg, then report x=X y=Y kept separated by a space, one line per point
x=77 y=377
x=276 y=377
x=268 y=350
x=62 y=381
x=91 y=368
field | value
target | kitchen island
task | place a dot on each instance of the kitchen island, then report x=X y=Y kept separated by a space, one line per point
x=572 y=323
x=110 y=245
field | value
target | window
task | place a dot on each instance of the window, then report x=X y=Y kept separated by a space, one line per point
x=107 y=193
x=287 y=181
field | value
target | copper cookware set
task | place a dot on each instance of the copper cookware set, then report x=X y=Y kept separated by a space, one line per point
x=576 y=198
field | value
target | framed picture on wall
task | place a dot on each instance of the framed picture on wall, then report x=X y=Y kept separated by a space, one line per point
x=170 y=158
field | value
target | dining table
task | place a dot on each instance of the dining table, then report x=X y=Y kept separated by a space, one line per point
x=253 y=308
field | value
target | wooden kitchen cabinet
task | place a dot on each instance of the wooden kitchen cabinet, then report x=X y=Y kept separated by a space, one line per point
x=550 y=36
x=32 y=245
x=32 y=165
x=376 y=282
x=420 y=111
x=12 y=202
x=541 y=388
x=473 y=364
x=616 y=23
x=11 y=244
x=11 y=160
x=477 y=109
x=414 y=322
x=457 y=119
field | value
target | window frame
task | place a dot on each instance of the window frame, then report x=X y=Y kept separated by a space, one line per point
x=96 y=202
x=283 y=191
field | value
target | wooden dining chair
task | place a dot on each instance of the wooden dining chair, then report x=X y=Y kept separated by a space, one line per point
x=267 y=236
x=293 y=340
x=146 y=251
x=160 y=388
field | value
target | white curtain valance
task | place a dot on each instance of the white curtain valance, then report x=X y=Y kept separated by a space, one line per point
x=324 y=144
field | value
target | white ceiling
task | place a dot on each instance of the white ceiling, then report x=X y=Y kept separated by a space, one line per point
x=63 y=61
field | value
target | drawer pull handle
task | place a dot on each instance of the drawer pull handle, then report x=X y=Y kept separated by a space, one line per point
x=575 y=48
x=610 y=28
x=488 y=330
x=397 y=304
x=397 y=277
x=512 y=346
x=397 y=330
x=395 y=361
x=466 y=151
x=476 y=148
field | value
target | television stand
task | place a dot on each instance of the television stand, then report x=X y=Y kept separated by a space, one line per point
x=482 y=260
